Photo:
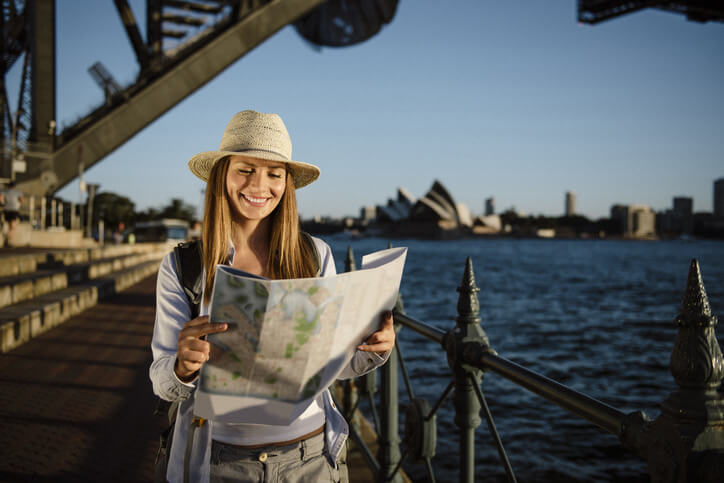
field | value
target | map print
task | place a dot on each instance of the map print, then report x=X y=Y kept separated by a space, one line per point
x=289 y=340
x=280 y=334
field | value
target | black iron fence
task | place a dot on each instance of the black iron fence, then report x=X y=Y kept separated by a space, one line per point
x=684 y=444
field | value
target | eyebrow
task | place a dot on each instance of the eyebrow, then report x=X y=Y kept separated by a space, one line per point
x=251 y=164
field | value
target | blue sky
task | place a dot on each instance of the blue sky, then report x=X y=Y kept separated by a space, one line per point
x=513 y=100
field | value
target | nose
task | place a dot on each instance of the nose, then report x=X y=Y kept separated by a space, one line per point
x=256 y=179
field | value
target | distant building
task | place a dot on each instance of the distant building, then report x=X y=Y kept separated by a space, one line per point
x=719 y=198
x=396 y=210
x=570 y=203
x=487 y=225
x=489 y=206
x=637 y=221
x=679 y=219
x=683 y=206
x=368 y=213
x=437 y=215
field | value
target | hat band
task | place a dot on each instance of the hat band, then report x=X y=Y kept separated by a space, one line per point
x=257 y=149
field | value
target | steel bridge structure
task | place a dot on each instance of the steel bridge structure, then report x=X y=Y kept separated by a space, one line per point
x=186 y=44
x=205 y=37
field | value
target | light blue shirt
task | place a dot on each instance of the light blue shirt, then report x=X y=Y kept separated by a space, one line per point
x=172 y=312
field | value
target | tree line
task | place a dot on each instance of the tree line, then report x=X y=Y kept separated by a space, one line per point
x=115 y=209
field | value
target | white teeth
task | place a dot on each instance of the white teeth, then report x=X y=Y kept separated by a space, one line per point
x=254 y=200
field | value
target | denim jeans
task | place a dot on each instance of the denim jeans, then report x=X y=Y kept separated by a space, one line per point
x=305 y=461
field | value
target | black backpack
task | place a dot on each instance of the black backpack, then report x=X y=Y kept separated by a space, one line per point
x=189 y=268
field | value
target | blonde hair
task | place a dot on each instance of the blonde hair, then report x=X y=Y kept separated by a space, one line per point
x=289 y=255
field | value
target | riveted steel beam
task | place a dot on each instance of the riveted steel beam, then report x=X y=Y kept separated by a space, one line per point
x=42 y=48
x=134 y=35
x=47 y=174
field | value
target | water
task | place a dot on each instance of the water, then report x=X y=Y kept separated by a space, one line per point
x=594 y=315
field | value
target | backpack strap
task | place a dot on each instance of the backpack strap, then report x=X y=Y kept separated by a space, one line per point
x=189 y=268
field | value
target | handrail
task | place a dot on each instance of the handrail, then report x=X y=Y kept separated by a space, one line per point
x=422 y=328
x=601 y=414
x=690 y=420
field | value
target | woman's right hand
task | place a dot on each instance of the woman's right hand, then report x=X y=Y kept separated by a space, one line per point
x=193 y=350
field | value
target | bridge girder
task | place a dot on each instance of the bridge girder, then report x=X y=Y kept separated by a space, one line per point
x=50 y=169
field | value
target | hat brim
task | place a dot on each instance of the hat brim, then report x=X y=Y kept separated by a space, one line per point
x=302 y=173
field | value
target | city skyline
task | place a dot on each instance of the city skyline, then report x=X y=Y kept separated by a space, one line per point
x=489 y=205
x=517 y=101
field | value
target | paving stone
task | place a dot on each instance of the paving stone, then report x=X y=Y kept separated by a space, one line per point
x=76 y=402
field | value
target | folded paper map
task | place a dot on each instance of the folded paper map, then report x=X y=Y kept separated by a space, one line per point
x=288 y=340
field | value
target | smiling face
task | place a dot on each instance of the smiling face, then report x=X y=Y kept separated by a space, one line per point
x=254 y=187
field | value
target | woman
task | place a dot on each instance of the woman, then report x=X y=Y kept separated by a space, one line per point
x=251 y=223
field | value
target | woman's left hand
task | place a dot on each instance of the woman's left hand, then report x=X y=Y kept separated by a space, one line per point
x=383 y=340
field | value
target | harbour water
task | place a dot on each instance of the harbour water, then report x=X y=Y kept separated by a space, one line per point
x=596 y=315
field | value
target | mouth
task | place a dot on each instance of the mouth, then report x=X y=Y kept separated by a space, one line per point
x=254 y=201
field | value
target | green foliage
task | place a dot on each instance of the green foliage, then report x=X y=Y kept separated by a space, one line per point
x=113 y=209
x=177 y=208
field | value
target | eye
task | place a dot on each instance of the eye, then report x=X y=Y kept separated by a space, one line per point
x=246 y=171
x=276 y=175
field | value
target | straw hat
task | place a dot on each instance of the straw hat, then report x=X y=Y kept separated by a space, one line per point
x=259 y=136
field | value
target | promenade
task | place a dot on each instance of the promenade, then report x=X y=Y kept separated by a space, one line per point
x=76 y=403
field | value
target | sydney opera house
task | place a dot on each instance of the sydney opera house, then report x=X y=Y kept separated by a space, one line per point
x=435 y=215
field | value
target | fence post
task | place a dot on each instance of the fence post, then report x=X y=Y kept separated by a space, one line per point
x=31 y=211
x=350 y=394
x=686 y=442
x=389 y=440
x=467 y=407
x=52 y=213
x=43 y=212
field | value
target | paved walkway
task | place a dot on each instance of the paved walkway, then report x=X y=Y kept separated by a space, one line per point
x=76 y=403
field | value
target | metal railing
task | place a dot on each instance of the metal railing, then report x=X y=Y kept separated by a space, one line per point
x=685 y=443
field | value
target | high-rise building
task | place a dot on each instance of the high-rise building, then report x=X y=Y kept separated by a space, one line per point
x=489 y=206
x=679 y=219
x=636 y=220
x=570 y=203
x=719 y=198
x=683 y=206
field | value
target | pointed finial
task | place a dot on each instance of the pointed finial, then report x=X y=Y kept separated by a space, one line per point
x=349 y=265
x=468 y=304
x=696 y=361
x=695 y=310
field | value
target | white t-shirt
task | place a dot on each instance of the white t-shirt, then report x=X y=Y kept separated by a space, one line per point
x=12 y=199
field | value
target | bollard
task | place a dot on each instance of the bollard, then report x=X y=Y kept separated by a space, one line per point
x=686 y=442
